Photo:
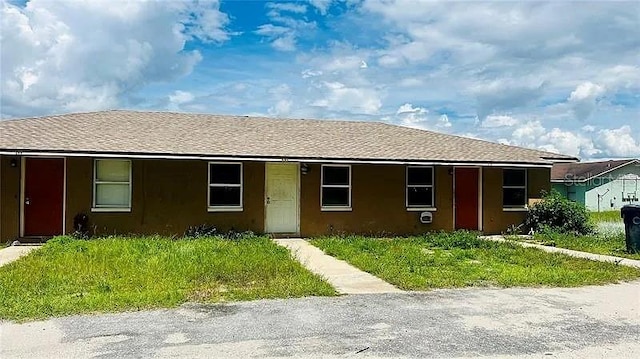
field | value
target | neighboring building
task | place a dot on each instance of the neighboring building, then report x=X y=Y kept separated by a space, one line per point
x=156 y=172
x=600 y=186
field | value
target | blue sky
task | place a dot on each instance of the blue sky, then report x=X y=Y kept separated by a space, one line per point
x=560 y=76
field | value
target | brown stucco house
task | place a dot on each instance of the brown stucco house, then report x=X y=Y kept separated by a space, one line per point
x=158 y=172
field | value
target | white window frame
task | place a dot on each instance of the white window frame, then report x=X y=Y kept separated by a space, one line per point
x=322 y=187
x=432 y=185
x=525 y=206
x=104 y=208
x=238 y=208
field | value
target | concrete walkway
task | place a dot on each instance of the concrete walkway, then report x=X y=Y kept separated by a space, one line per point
x=341 y=275
x=569 y=252
x=10 y=254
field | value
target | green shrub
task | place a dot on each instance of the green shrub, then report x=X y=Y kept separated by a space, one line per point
x=557 y=213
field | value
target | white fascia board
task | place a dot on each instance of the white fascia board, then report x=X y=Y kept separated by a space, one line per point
x=271 y=159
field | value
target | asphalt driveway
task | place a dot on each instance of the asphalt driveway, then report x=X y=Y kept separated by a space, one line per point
x=567 y=323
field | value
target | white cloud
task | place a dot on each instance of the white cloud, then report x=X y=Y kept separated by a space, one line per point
x=281 y=109
x=339 y=97
x=321 y=5
x=310 y=73
x=509 y=54
x=408 y=108
x=498 y=121
x=619 y=142
x=286 y=26
x=506 y=94
x=528 y=133
x=341 y=63
x=284 y=105
x=577 y=143
x=443 y=121
x=59 y=62
x=271 y=30
x=567 y=142
x=584 y=99
x=290 y=7
x=180 y=97
x=419 y=117
x=285 y=43
x=410 y=82
x=621 y=76
x=585 y=91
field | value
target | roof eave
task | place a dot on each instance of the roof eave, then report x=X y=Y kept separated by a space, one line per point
x=597 y=175
x=170 y=156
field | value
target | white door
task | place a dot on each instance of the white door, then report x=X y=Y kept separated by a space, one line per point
x=281 y=198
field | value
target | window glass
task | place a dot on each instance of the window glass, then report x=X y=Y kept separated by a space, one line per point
x=112 y=195
x=224 y=196
x=335 y=197
x=112 y=187
x=514 y=177
x=419 y=186
x=224 y=173
x=336 y=186
x=513 y=197
x=335 y=175
x=112 y=171
x=420 y=196
x=514 y=191
x=225 y=185
x=420 y=176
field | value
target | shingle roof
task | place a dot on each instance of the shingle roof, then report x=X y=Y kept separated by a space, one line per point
x=182 y=134
x=585 y=170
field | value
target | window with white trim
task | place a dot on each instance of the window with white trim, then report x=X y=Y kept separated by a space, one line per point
x=112 y=184
x=225 y=186
x=514 y=188
x=420 y=187
x=336 y=187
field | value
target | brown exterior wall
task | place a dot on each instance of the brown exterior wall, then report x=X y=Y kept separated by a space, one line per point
x=9 y=199
x=170 y=195
x=167 y=198
x=377 y=201
x=495 y=219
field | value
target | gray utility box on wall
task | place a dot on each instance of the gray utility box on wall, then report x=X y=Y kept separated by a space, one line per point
x=631 y=216
x=426 y=217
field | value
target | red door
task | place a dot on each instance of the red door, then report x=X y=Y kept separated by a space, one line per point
x=43 y=196
x=466 y=198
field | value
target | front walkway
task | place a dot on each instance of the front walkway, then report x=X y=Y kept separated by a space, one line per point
x=341 y=275
x=569 y=252
x=10 y=254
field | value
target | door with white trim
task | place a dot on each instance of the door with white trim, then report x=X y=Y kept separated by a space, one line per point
x=282 y=198
x=43 y=192
x=467 y=198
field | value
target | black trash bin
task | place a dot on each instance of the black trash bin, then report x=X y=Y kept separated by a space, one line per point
x=631 y=216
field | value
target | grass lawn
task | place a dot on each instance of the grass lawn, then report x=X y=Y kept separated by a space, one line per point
x=459 y=259
x=612 y=244
x=68 y=276
x=607 y=216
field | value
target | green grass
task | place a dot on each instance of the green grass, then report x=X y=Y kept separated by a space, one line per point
x=448 y=260
x=609 y=244
x=607 y=216
x=68 y=276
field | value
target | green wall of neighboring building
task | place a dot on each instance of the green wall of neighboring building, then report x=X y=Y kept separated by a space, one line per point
x=613 y=190
x=574 y=193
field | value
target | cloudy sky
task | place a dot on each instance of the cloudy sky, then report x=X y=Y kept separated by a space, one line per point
x=561 y=76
